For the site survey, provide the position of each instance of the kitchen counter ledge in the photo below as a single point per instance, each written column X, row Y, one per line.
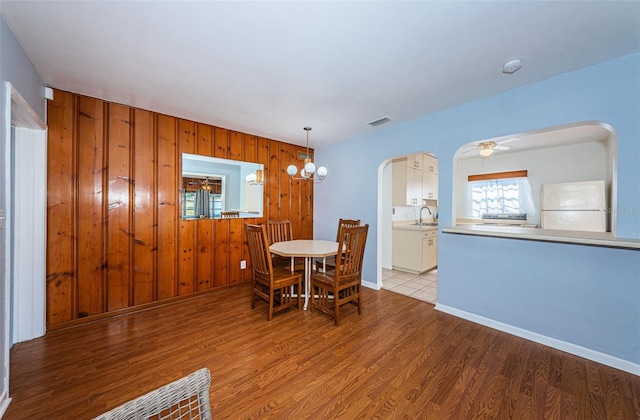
column 604, row 239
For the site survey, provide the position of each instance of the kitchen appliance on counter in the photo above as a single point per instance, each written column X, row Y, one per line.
column 574, row 206
column 504, row 219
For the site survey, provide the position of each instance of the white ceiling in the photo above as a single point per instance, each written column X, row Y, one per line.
column 270, row 68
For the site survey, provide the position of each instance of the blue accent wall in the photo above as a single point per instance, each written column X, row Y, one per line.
column 583, row 295
column 16, row 68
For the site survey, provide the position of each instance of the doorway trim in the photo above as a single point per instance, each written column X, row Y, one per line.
column 18, row 113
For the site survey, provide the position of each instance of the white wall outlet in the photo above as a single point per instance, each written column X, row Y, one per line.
column 243, row 264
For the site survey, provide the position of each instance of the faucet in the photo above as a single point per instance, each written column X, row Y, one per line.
column 422, row 208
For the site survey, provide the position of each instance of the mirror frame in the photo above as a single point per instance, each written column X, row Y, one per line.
column 240, row 194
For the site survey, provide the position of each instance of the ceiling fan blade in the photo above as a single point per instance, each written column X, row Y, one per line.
column 470, row 150
column 502, row 147
column 507, row 140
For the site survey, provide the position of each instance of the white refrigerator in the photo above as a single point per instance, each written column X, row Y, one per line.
column 574, row 206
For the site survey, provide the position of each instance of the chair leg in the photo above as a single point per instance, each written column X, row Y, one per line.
column 313, row 300
column 271, row 298
column 336, row 307
column 299, row 296
column 359, row 301
column 253, row 295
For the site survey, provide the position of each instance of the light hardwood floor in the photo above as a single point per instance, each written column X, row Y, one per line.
column 399, row 359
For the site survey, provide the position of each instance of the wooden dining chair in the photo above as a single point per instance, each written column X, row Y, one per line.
column 280, row 231
column 330, row 262
column 272, row 284
column 332, row 289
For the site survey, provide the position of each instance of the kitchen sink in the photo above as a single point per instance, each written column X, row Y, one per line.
column 426, row 224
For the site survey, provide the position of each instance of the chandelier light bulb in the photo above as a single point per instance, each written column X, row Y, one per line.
column 292, row 170
column 310, row 168
column 322, row 172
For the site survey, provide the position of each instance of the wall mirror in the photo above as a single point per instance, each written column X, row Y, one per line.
column 219, row 188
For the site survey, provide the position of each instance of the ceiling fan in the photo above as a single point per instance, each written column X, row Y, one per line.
column 204, row 184
column 486, row 148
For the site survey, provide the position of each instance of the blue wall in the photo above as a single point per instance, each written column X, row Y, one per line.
column 583, row 295
column 16, row 68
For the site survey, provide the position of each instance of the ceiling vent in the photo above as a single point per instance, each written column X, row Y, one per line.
column 379, row 121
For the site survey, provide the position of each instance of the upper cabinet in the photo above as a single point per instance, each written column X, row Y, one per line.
column 415, row 178
column 407, row 181
column 430, row 164
column 429, row 177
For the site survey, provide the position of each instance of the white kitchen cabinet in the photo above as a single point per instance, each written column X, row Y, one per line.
column 429, row 186
column 430, row 178
column 407, row 183
column 414, row 250
column 430, row 164
column 415, row 161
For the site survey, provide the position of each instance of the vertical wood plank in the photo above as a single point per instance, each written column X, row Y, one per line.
column 235, row 145
column 221, row 227
column 144, row 275
column 204, row 228
column 204, row 258
column 204, row 140
column 187, row 231
column 60, row 209
column 90, row 214
column 167, row 191
column 221, row 142
column 250, row 154
column 221, row 253
column 119, row 229
column 284, row 183
column 306, row 210
column 235, row 250
column 273, row 187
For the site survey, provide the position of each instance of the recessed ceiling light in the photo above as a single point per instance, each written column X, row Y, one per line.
column 511, row 66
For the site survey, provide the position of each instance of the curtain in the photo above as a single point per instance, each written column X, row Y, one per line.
column 202, row 204
column 511, row 195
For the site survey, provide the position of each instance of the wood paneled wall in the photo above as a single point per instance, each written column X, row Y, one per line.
column 116, row 241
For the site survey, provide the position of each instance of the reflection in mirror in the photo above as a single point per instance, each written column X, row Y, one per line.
column 213, row 187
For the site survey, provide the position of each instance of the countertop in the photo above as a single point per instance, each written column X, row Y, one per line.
column 605, row 239
column 411, row 226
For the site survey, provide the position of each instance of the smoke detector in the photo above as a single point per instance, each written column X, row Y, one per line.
column 512, row 66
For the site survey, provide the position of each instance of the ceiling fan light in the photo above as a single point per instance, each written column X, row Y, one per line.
column 486, row 152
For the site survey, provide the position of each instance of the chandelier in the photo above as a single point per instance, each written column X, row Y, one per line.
column 308, row 171
column 255, row 179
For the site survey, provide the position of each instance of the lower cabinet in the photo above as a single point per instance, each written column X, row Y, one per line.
column 414, row 250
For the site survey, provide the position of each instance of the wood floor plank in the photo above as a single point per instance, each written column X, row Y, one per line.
column 399, row 359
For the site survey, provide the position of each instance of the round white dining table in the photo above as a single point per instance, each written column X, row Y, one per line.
column 307, row 249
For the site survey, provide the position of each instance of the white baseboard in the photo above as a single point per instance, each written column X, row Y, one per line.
column 596, row 356
column 4, row 403
column 370, row 285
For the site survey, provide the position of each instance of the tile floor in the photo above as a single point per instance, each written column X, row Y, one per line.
column 423, row 286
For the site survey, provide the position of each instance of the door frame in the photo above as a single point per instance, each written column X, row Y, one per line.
column 18, row 113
